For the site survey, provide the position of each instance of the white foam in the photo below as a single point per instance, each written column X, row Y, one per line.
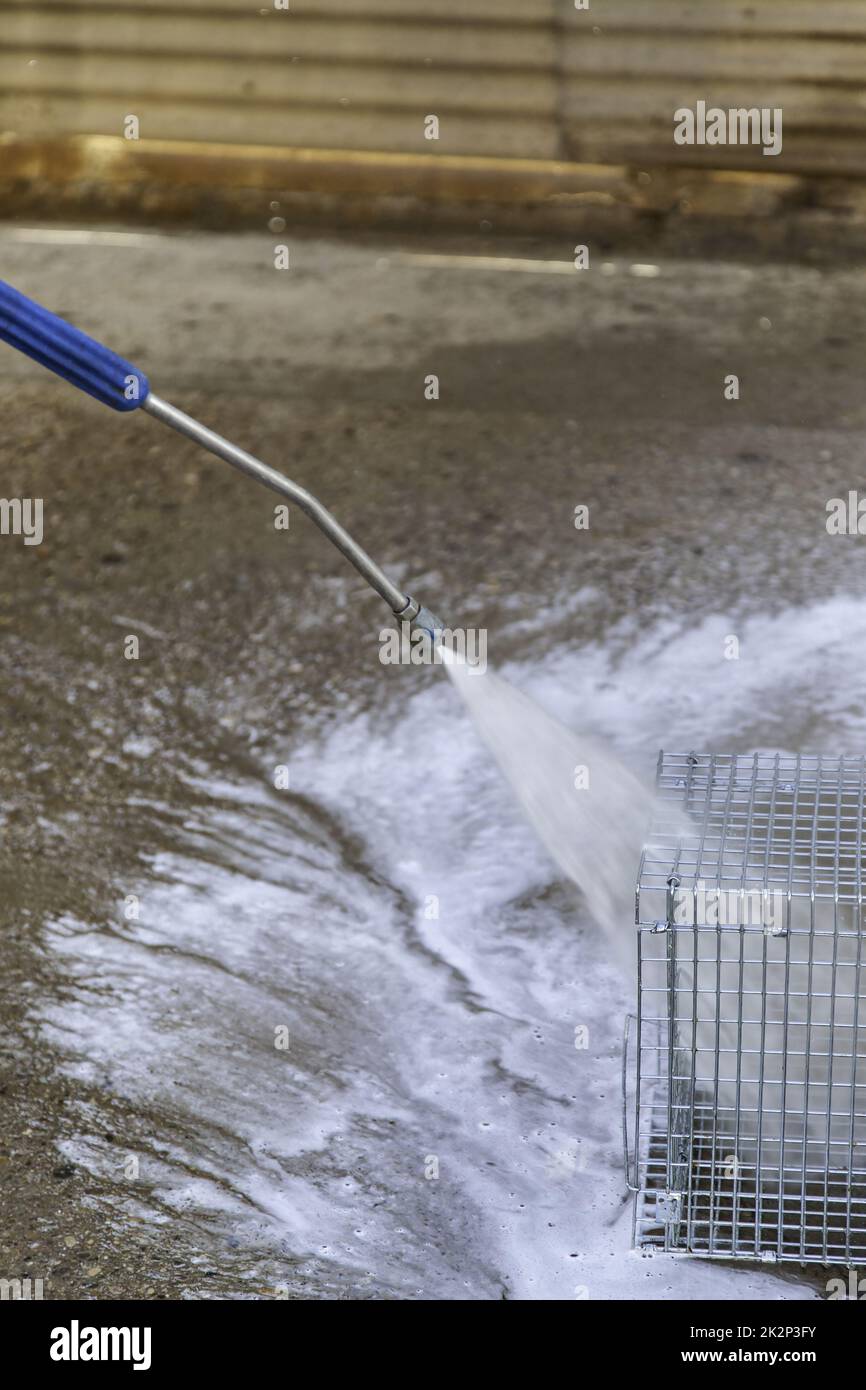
column 419, row 942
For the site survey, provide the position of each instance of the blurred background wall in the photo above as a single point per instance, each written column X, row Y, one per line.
column 541, row 106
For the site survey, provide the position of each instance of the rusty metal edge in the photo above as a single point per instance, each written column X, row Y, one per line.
column 223, row 168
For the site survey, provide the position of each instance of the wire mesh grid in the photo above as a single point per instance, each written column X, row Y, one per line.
column 749, row 1114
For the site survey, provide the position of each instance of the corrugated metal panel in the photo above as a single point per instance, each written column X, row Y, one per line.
column 531, row 78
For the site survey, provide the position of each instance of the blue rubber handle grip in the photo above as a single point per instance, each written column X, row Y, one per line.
column 69, row 352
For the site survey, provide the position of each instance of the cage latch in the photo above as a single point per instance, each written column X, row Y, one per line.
column 669, row 1206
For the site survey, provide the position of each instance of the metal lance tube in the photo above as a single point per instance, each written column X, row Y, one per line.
column 402, row 605
column 109, row 378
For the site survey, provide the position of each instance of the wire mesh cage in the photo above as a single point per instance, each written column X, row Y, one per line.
column 749, row 1115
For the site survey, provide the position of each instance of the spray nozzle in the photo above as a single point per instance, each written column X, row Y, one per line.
column 420, row 617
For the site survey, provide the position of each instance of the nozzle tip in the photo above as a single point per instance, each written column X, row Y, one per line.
column 421, row 617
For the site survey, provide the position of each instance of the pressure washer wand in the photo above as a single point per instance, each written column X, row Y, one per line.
column 100, row 373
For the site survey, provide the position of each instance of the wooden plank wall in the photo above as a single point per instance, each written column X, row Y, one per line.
column 535, row 79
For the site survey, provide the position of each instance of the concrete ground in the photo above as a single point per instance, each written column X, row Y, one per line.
column 602, row 387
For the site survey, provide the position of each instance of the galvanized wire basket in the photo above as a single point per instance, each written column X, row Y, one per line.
column 746, row 1133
